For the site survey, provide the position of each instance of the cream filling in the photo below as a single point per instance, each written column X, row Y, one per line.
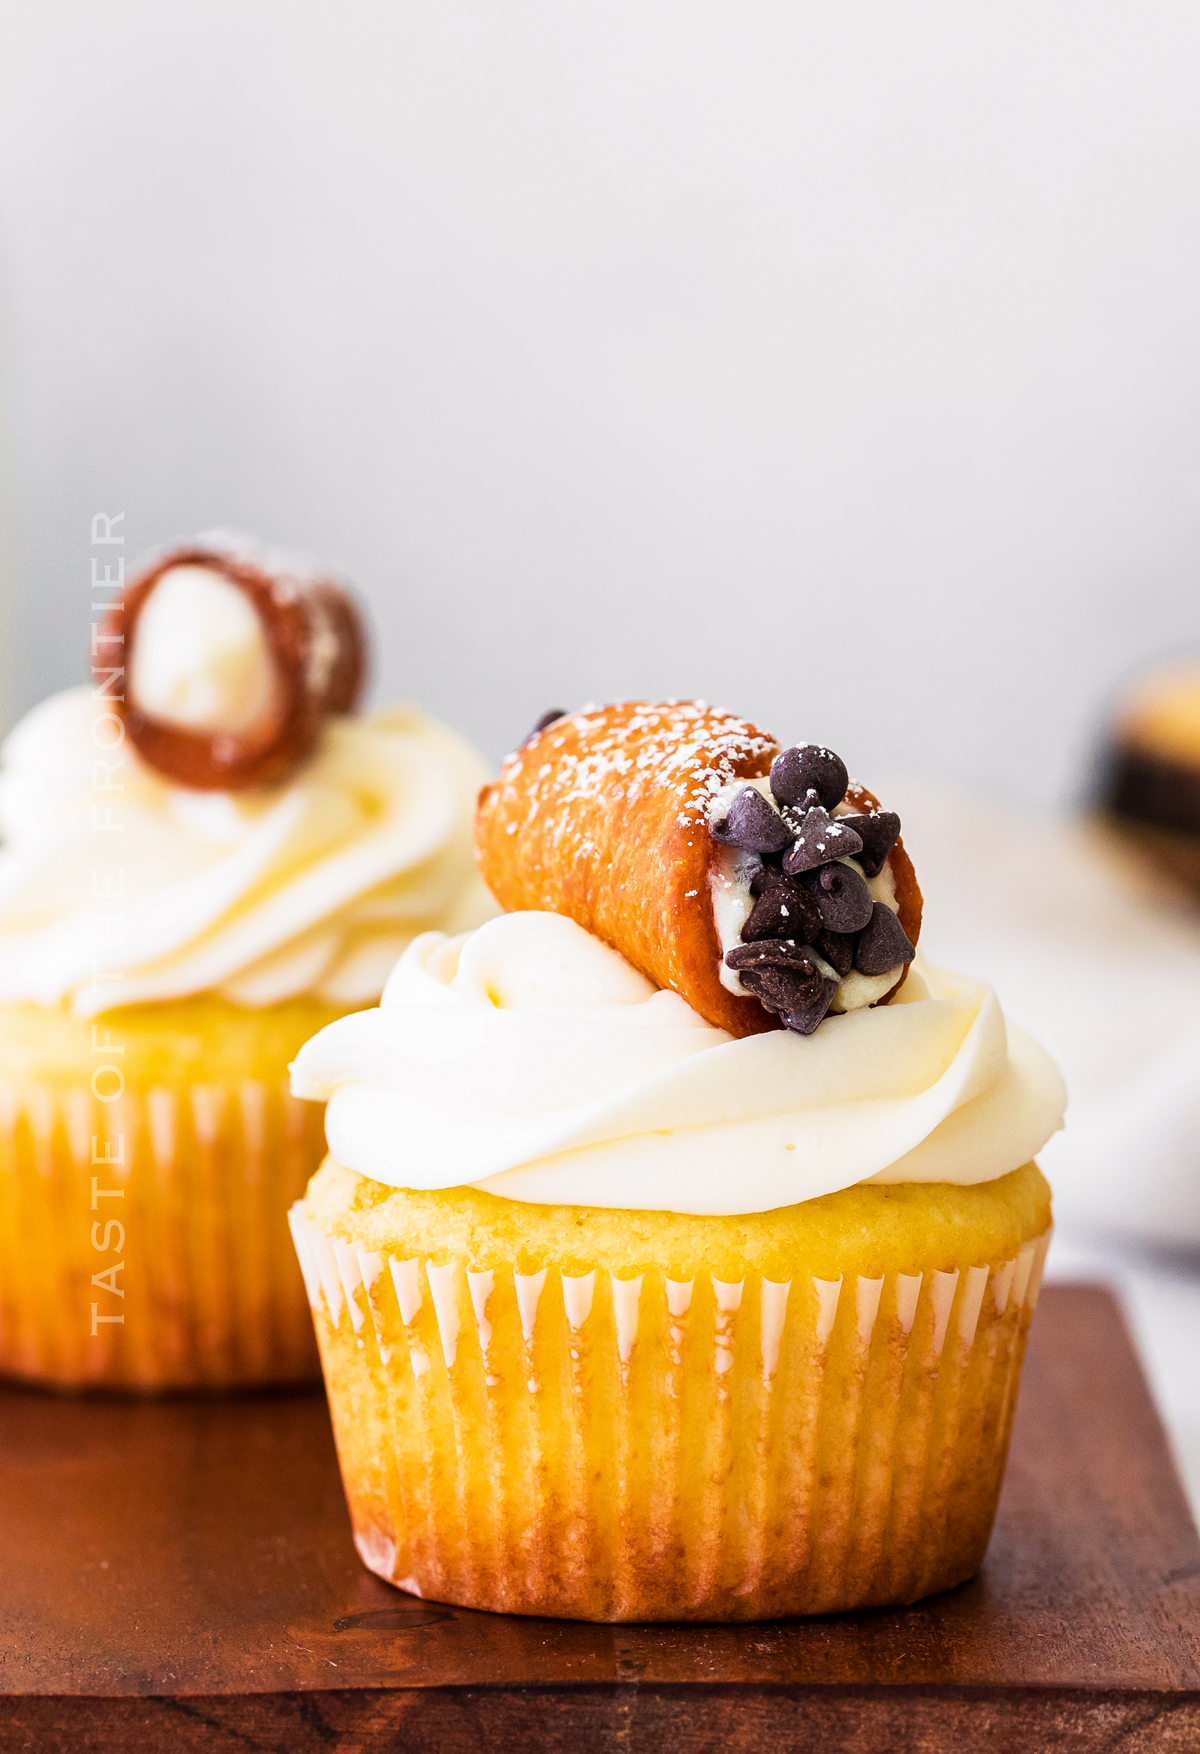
column 729, row 882
column 201, row 660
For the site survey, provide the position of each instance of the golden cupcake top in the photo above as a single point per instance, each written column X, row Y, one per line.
column 1162, row 715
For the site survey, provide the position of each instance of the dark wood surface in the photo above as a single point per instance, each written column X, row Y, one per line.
column 180, row 1575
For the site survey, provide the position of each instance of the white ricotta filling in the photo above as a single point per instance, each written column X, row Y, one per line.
column 201, row 659
column 729, row 881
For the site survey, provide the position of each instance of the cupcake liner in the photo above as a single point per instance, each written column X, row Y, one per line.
column 645, row 1448
column 211, row 1298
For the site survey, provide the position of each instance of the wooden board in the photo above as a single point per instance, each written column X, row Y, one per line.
column 180, row 1575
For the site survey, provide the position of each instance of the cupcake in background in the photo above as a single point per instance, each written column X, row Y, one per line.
column 207, row 857
column 1151, row 786
column 1052, row 907
column 680, row 1234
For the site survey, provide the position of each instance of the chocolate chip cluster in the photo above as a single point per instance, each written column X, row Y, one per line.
column 808, row 903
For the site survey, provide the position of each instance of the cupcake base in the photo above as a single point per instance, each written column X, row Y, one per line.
column 609, row 1445
column 142, row 1236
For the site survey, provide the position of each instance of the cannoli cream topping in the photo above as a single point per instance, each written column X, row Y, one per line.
column 804, row 891
column 531, row 1060
column 733, row 903
column 201, row 660
column 119, row 887
column 224, row 658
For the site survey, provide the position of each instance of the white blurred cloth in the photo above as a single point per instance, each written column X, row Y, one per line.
column 1100, row 961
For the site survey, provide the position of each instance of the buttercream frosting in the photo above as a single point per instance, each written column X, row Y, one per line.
column 118, row 887
column 531, row 1060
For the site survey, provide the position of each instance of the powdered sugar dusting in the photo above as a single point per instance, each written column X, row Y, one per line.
column 683, row 746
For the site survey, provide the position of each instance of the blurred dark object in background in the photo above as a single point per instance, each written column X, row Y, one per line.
column 1151, row 782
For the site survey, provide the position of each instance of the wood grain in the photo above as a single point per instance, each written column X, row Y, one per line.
column 180, row 1575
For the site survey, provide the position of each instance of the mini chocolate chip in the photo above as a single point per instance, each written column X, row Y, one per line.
column 842, row 896
column 550, row 718
column 752, row 823
column 836, row 947
column 782, row 989
column 807, row 767
column 798, row 992
column 804, row 1018
column 777, row 989
column 878, row 833
column 820, row 837
column 883, row 944
column 783, row 910
column 767, row 875
column 772, row 953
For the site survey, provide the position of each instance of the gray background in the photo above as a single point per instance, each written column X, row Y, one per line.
column 837, row 363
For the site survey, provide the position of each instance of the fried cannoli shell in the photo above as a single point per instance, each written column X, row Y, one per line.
column 315, row 636
column 603, row 816
column 909, row 900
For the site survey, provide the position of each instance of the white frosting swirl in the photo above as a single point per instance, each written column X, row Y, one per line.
column 312, row 887
column 531, row 1060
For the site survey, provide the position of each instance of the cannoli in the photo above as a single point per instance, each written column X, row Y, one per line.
column 762, row 885
column 304, row 661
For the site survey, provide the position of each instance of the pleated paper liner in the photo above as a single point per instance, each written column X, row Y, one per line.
column 647, row 1449
column 207, row 1288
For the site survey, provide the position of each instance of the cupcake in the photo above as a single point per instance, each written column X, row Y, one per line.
column 206, row 858
column 1152, row 778
column 680, row 1233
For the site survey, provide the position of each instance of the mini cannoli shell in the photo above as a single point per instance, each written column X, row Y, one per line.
column 315, row 636
column 603, row 817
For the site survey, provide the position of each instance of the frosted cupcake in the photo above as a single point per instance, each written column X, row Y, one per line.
column 206, row 859
column 680, row 1233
